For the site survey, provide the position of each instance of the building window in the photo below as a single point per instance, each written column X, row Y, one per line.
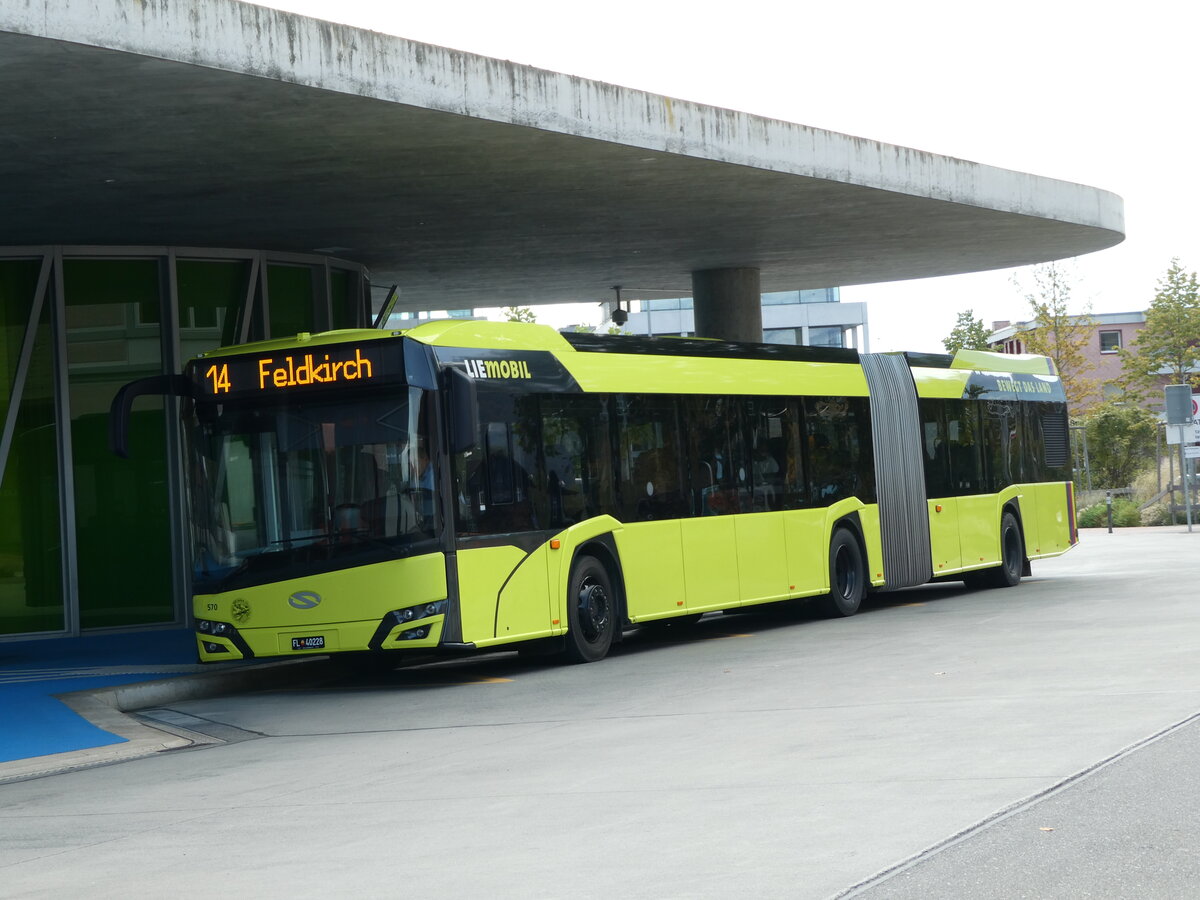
column 782, row 336
column 825, row 336
column 1110, row 341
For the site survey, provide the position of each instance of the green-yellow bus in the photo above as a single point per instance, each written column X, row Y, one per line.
column 470, row 485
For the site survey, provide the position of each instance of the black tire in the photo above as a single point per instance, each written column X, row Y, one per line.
column 591, row 612
column 1012, row 559
column 847, row 576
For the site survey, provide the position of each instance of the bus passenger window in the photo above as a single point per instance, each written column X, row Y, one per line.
column 497, row 484
column 769, row 452
column 966, row 452
column 711, row 429
column 578, row 458
column 648, row 436
column 840, row 461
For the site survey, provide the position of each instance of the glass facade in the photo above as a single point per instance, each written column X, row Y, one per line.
column 88, row 540
column 31, row 547
column 774, row 298
column 113, row 322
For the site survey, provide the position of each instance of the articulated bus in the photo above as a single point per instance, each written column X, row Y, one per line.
column 474, row 485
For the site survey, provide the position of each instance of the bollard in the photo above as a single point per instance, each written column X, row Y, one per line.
column 1108, row 503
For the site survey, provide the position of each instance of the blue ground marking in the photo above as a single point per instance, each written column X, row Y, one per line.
column 34, row 723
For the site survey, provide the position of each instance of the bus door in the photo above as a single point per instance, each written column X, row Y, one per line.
column 653, row 498
column 719, row 484
column 502, row 523
column 946, row 550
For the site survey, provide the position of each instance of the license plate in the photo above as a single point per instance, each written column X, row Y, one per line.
column 309, row 643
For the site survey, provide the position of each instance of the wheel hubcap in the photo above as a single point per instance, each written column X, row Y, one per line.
column 845, row 574
column 593, row 610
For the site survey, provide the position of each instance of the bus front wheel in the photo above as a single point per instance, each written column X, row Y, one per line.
column 847, row 576
column 591, row 612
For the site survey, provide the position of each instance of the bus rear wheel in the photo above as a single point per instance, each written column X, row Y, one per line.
column 1012, row 559
column 847, row 576
column 591, row 612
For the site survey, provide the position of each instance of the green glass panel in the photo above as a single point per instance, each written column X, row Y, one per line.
column 30, row 535
column 18, row 281
column 291, row 292
column 211, row 294
column 122, row 525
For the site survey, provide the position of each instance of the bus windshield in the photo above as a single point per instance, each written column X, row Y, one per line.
column 310, row 485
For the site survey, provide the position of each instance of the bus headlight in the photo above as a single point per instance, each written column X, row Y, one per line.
column 420, row 611
column 222, row 629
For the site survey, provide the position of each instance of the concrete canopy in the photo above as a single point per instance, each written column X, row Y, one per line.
column 469, row 181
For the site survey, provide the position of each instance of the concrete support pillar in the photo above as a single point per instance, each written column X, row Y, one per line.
column 728, row 304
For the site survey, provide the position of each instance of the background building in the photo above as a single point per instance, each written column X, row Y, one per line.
column 814, row 318
column 1109, row 333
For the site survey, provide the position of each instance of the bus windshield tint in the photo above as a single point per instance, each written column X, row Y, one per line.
column 300, row 487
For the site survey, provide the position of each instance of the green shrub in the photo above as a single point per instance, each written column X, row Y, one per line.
column 1158, row 514
column 1125, row 515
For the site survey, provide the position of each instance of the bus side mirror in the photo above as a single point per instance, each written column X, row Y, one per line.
column 464, row 411
column 122, row 406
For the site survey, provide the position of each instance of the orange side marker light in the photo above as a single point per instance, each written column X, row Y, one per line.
column 555, row 544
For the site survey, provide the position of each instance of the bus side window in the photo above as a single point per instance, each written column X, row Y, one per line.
column 1002, row 443
column 936, row 451
column 718, row 469
column 768, row 452
column 648, row 452
column 963, row 440
column 795, row 477
column 839, row 455
column 578, row 457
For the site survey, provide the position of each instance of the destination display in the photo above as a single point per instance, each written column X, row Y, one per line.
column 298, row 369
column 1014, row 386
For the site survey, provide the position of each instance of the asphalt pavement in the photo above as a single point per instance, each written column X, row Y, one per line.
column 1039, row 742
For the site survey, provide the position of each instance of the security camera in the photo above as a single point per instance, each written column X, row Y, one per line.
column 620, row 317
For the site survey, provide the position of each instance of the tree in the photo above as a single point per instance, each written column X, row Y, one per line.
column 518, row 314
column 1170, row 341
column 1121, row 441
column 1061, row 335
column 968, row 333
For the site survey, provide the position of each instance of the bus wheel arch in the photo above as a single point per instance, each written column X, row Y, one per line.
column 595, row 603
column 847, row 569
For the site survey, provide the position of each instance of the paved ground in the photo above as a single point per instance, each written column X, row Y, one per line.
column 761, row 756
column 1125, row 829
column 32, row 673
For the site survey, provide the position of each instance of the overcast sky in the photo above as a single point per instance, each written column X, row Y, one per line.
column 1104, row 95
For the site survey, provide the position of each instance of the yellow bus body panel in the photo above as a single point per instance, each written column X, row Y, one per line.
column 806, row 537
column 525, row 606
column 943, row 535
column 762, row 557
column 710, row 564
column 620, row 373
column 868, row 517
column 652, row 562
column 1054, row 524
column 979, row 530
column 502, row 594
column 353, row 602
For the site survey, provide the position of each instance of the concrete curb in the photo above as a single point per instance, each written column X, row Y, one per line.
column 106, row 707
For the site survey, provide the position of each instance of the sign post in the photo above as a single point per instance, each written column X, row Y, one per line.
column 1180, row 410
